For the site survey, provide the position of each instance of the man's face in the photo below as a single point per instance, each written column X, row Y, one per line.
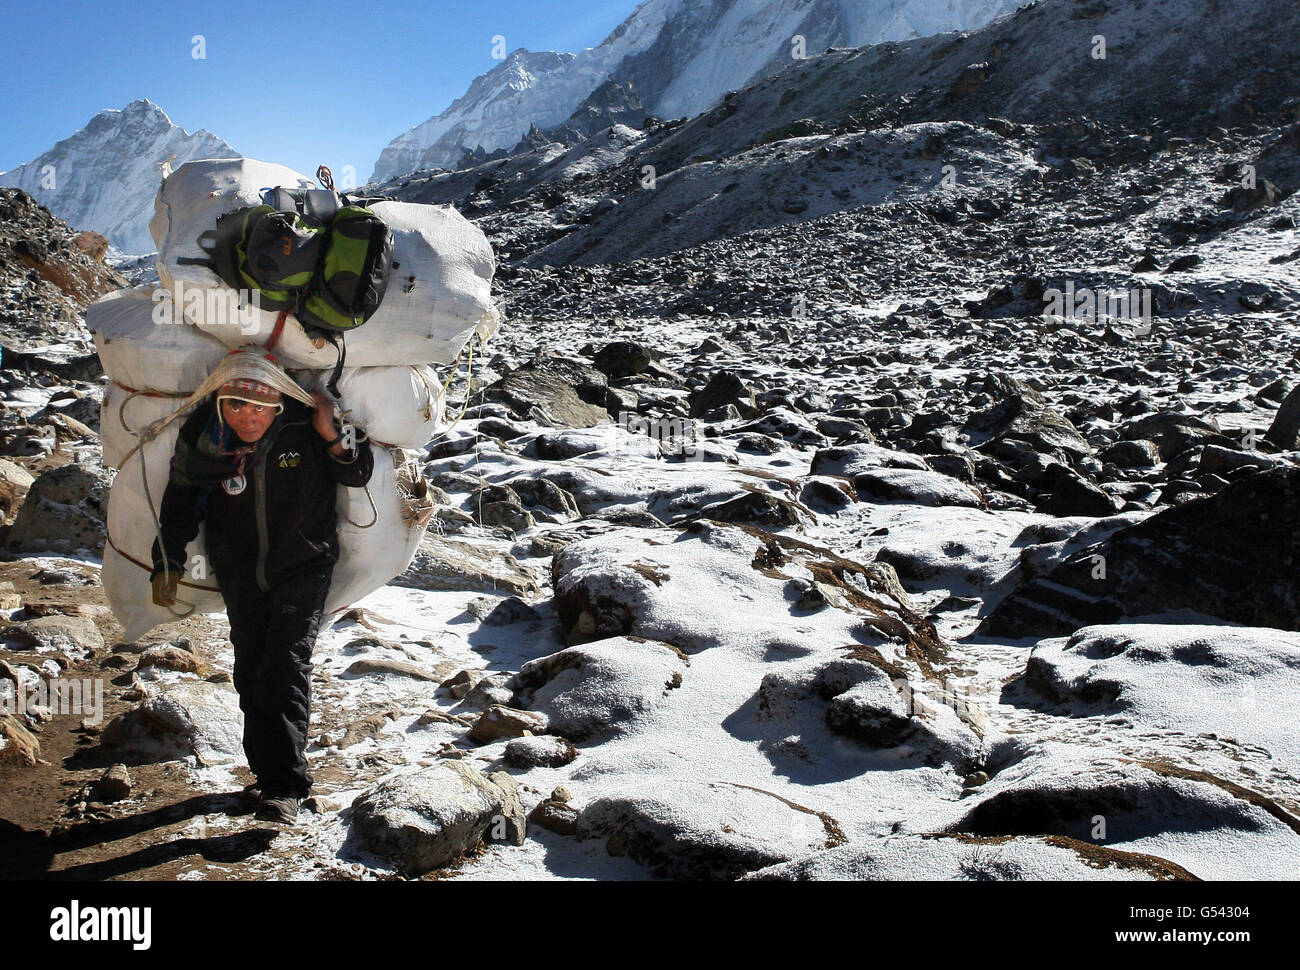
column 250, row 421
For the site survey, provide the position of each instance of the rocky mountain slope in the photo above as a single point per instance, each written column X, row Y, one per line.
column 679, row 56
column 104, row 177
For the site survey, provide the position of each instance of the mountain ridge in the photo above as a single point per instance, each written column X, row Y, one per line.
column 119, row 150
column 681, row 57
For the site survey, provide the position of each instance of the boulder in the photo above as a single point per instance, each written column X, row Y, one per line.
column 1174, row 432
column 547, row 751
column 554, row 392
column 887, row 475
column 1285, row 429
column 1058, row 790
column 876, row 702
column 1021, row 414
column 176, row 720
column 64, row 512
column 952, row 857
column 499, row 722
column 1237, row 682
column 75, row 636
column 725, row 388
column 17, row 744
column 1075, row 495
column 1231, row 555
column 602, row 689
column 444, row 563
column 113, row 786
column 706, row 830
column 425, row 820
column 623, row 358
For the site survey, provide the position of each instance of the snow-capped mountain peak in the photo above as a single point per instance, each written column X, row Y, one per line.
column 106, row 175
column 680, row 56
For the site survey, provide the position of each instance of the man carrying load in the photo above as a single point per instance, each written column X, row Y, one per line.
column 262, row 467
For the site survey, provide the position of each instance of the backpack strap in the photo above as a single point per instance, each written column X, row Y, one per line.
column 335, row 338
column 208, row 243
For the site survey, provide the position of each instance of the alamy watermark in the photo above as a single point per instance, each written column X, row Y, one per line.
column 84, row 696
column 214, row 306
column 1133, row 305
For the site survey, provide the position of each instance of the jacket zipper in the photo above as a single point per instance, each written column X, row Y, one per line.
column 263, row 539
column 263, row 535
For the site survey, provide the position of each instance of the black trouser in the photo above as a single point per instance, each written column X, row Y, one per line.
column 273, row 634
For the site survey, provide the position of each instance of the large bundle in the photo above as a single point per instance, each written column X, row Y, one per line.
column 154, row 359
column 131, row 533
column 439, row 293
column 401, row 407
column 380, row 526
column 378, row 541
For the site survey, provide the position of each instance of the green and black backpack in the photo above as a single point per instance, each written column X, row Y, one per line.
column 331, row 273
column 352, row 276
column 272, row 254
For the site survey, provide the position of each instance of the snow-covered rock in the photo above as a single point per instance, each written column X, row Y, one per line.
column 179, row 719
column 424, row 820
column 699, row 830
column 1241, row 683
column 602, row 688
column 951, row 857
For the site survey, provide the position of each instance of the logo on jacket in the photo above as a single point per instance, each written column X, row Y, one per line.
column 235, row 485
column 290, row 459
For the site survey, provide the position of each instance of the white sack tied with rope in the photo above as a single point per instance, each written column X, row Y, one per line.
column 403, row 407
column 380, row 526
column 154, row 360
column 438, row 296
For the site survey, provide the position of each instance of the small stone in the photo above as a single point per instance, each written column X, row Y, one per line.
column 321, row 805
column 505, row 722
column 172, row 658
column 113, row 786
column 461, row 683
column 562, row 794
column 374, row 665
column 19, row 743
column 975, row 779
column 555, row 816
column 539, row 752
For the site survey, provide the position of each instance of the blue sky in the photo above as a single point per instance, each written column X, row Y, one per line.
column 297, row 84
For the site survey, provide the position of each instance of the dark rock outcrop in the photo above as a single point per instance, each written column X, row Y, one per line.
column 1232, row 555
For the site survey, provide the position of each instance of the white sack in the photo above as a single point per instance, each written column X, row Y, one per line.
column 131, row 529
column 438, row 296
column 140, row 352
column 370, row 557
column 399, row 406
column 122, row 414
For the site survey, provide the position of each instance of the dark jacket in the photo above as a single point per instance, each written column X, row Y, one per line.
column 284, row 520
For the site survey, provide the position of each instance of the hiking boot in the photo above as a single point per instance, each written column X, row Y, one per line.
column 282, row 810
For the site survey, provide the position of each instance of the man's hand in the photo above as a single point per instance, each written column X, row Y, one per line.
column 164, row 588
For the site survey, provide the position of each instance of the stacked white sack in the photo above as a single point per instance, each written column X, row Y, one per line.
column 438, row 296
column 131, row 531
column 153, row 363
column 401, row 407
column 139, row 352
column 142, row 352
column 375, row 545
